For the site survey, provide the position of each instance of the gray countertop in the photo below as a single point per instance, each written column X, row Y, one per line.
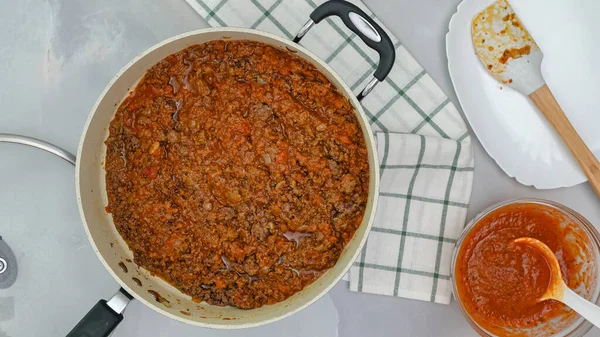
column 55, row 59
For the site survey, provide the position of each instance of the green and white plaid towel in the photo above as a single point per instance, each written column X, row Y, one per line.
column 423, row 143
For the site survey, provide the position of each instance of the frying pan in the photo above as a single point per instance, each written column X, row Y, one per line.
column 112, row 250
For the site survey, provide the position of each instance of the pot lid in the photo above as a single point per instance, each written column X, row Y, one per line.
column 52, row 276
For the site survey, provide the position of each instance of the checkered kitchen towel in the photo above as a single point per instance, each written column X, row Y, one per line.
column 423, row 143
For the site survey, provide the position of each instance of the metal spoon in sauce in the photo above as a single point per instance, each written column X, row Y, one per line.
column 558, row 289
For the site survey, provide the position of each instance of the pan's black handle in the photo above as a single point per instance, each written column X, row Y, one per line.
column 368, row 30
column 103, row 318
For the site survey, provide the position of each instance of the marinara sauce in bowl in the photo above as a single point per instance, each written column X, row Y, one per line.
column 497, row 282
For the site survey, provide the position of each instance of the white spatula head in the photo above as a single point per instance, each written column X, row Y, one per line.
column 506, row 49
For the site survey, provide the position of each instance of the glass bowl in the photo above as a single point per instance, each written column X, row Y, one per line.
column 576, row 326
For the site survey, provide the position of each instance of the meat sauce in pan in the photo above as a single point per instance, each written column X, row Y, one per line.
column 236, row 172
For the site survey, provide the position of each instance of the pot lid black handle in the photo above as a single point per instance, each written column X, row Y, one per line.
column 8, row 265
column 365, row 27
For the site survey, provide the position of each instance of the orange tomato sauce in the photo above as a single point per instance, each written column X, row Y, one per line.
column 499, row 282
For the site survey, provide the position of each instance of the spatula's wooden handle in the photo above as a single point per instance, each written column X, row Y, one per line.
column 545, row 101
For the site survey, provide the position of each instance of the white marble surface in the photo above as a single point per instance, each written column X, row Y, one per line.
column 55, row 58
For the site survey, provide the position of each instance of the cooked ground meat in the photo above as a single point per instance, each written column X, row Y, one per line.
column 236, row 172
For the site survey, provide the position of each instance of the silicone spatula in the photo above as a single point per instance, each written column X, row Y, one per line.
column 509, row 53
